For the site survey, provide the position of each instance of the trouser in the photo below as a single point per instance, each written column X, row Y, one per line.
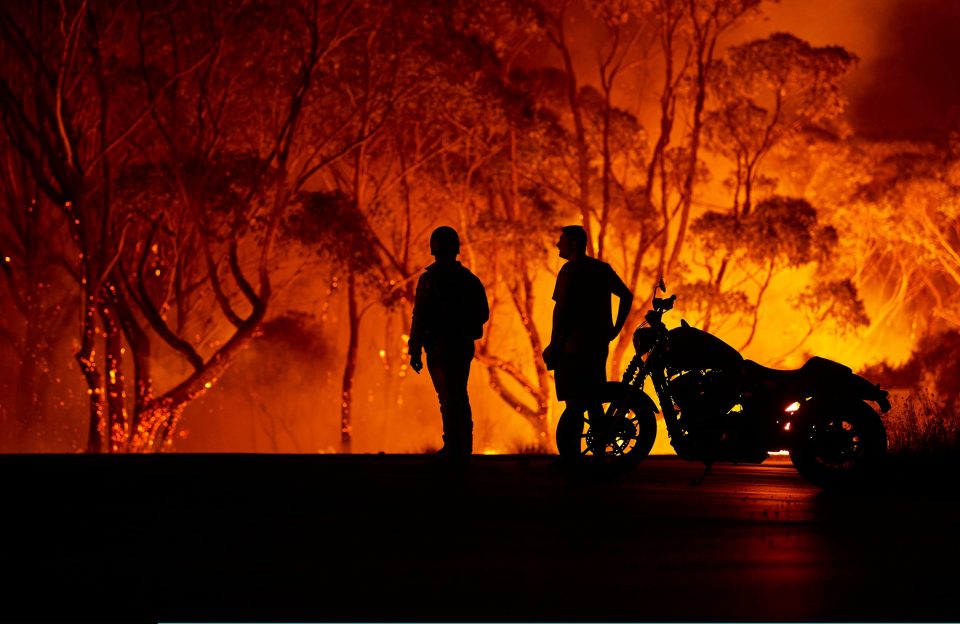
column 449, row 366
column 580, row 381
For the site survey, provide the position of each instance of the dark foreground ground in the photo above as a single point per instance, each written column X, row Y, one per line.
column 244, row 537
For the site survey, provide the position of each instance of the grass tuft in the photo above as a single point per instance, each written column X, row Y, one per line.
column 923, row 436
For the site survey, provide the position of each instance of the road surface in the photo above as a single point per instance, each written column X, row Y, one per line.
column 374, row 538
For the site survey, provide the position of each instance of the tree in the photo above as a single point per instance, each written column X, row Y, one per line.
column 415, row 105
column 903, row 197
column 832, row 305
column 780, row 233
column 766, row 91
column 553, row 18
column 218, row 164
column 706, row 21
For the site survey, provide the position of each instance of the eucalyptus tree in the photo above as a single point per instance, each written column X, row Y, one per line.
column 172, row 138
column 763, row 93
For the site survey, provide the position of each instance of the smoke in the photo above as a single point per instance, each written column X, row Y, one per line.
column 906, row 84
column 909, row 83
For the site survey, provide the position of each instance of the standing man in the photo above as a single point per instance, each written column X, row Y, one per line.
column 448, row 315
column 582, row 323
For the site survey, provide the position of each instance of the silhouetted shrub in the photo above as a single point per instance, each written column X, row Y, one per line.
column 917, row 425
column 934, row 363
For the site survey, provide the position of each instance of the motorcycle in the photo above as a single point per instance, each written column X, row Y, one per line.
column 717, row 406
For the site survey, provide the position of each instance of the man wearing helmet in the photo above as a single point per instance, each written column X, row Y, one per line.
column 448, row 315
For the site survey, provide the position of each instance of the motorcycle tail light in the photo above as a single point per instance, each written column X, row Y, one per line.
column 792, row 407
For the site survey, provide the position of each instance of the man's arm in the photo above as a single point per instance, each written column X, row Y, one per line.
column 559, row 330
column 483, row 309
column 418, row 329
column 560, row 310
column 626, row 302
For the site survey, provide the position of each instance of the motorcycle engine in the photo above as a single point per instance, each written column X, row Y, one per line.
column 703, row 397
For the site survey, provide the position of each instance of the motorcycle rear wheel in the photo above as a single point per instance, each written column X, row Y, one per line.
column 841, row 448
column 623, row 448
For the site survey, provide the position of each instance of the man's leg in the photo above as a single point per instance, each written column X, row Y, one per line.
column 450, row 369
column 600, row 424
column 458, row 417
column 440, row 377
column 593, row 412
column 585, row 376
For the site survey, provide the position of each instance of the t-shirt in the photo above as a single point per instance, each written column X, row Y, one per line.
column 584, row 311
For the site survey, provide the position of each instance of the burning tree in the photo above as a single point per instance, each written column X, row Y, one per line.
column 153, row 153
column 766, row 91
column 174, row 198
column 417, row 106
column 903, row 196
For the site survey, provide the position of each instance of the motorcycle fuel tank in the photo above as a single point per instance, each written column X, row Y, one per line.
column 694, row 349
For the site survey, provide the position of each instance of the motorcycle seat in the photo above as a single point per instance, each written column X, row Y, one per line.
column 771, row 375
column 815, row 370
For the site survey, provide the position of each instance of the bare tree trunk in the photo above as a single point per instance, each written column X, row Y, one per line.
column 97, row 426
column 118, row 432
column 350, row 367
column 705, row 42
column 538, row 389
column 605, row 208
column 717, row 291
column 559, row 40
column 756, row 307
column 543, row 379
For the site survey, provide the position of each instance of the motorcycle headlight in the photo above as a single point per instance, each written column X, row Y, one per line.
column 643, row 339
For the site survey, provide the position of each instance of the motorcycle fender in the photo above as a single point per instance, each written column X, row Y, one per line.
column 843, row 383
column 640, row 402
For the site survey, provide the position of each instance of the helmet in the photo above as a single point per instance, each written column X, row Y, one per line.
column 444, row 242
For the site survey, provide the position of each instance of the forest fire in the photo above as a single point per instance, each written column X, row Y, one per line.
column 214, row 218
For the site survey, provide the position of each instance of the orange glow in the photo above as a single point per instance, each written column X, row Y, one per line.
column 815, row 240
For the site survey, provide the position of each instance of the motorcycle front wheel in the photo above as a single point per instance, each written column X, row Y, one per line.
column 842, row 447
column 623, row 445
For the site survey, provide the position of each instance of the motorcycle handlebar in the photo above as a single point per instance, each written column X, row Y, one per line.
column 664, row 304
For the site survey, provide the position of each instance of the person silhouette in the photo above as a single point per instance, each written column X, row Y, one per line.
column 582, row 323
column 449, row 311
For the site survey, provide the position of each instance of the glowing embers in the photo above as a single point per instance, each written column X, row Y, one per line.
column 793, row 407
